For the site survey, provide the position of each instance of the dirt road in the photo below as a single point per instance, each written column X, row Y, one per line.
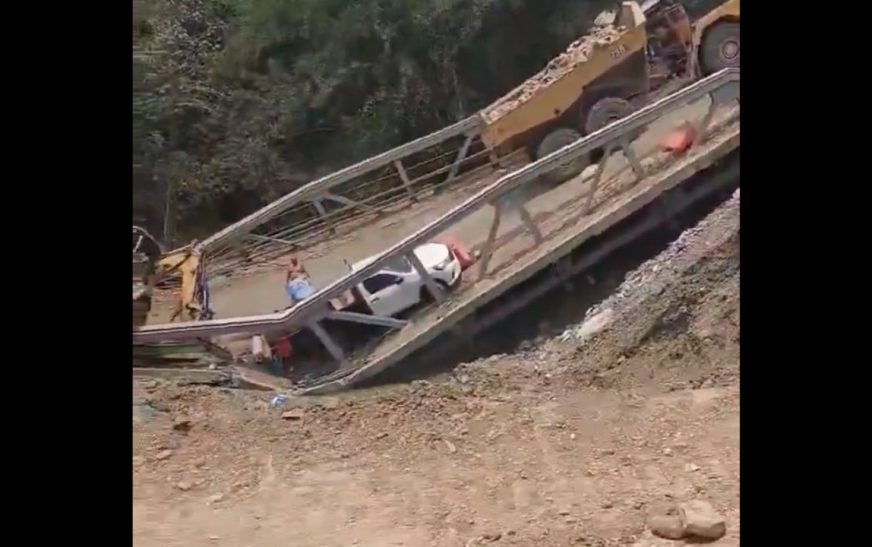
column 573, row 442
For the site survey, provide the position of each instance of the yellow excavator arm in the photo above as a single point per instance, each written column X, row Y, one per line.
column 193, row 301
column 151, row 265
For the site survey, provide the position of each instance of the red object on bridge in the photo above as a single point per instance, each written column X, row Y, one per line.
column 460, row 251
column 680, row 140
column 284, row 348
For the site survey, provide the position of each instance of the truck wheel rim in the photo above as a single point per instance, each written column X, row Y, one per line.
column 730, row 49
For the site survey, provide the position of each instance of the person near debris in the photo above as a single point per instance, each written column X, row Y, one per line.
column 283, row 352
column 298, row 284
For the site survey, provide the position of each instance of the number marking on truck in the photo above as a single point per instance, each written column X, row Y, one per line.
column 618, row 51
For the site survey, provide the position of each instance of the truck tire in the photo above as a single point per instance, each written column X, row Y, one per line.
column 719, row 48
column 426, row 297
column 605, row 111
column 553, row 142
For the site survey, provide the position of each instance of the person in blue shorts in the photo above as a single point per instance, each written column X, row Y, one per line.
column 298, row 284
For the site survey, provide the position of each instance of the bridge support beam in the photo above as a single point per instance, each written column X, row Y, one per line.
column 355, row 317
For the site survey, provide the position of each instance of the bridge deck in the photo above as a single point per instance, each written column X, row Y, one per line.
column 516, row 256
column 259, row 288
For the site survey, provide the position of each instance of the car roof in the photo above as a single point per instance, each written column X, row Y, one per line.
column 422, row 251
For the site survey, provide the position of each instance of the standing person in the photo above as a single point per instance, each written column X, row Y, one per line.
column 298, row 284
column 283, row 352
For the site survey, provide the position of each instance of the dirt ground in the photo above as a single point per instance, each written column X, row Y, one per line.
column 571, row 442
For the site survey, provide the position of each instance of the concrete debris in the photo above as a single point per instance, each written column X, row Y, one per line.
column 592, row 326
column 163, row 455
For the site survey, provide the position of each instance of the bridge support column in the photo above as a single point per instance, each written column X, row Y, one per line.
column 598, row 174
column 530, row 224
column 461, row 155
column 488, row 250
column 407, row 184
column 322, row 213
column 432, row 287
column 328, row 341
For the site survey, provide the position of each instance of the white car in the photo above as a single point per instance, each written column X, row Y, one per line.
column 398, row 286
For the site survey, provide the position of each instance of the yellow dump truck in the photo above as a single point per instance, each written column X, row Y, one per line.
column 603, row 76
column 715, row 44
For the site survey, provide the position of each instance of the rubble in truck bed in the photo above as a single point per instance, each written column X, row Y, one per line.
column 577, row 53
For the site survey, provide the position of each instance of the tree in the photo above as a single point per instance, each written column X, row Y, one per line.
column 239, row 101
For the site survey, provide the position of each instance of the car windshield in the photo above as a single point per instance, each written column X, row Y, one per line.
column 398, row 264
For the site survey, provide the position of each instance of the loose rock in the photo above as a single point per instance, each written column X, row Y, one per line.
column 216, row 498
column 182, row 424
column 666, row 526
column 184, row 486
column 701, row 520
column 293, row 414
column 163, row 455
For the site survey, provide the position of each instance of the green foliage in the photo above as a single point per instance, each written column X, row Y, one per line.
column 239, row 101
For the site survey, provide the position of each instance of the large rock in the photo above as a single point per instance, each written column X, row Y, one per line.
column 701, row 520
column 666, row 526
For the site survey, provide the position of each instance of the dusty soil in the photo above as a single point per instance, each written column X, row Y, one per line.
column 573, row 442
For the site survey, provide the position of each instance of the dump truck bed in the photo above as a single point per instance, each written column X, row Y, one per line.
column 557, row 89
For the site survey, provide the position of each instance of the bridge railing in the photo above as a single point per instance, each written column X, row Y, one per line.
column 343, row 199
column 721, row 87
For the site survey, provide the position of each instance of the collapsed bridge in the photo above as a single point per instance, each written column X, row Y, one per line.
column 517, row 230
